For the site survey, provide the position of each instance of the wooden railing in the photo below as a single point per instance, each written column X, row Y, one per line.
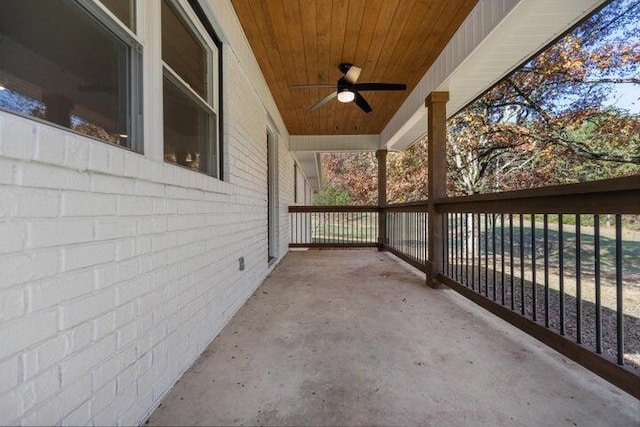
column 406, row 234
column 561, row 263
column 334, row 226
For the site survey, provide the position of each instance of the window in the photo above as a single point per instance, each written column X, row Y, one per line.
column 69, row 63
column 190, row 92
column 124, row 10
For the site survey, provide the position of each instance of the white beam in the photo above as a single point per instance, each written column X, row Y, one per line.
column 333, row 143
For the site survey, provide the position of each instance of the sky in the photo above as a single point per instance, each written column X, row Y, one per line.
column 625, row 96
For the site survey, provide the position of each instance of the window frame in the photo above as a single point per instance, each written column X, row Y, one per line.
column 207, row 22
column 135, row 77
column 111, row 23
column 213, row 90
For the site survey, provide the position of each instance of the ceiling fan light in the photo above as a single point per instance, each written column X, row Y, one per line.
column 346, row 95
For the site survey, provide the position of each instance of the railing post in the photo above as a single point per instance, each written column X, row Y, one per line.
column 381, row 155
column 437, row 179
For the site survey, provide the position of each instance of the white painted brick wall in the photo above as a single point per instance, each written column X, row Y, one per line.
column 116, row 271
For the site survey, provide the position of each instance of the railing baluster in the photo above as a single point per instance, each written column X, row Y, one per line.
column 545, row 222
column 405, row 234
column 596, row 260
column 367, row 234
column 473, row 251
column 479, row 253
column 425, row 236
column 330, row 227
column 493, row 252
column 511, row 271
column 392, row 227
column 363, row 227
column 522, row 311
column 619, row 301
column 419, row 242
column 561, row 270
column 578, row 283
column 502, row 258
column 486, row 255
column 455, row 250
column 416, row 232
column 414, row 235
column 421, row 237
column 445, row 243
column 466, row 249
column 534, row 284
column 461, row 246
column 401, row 236
column 332, row 232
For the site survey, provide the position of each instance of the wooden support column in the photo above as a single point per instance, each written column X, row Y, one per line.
column 436, row 104
column 381, row 155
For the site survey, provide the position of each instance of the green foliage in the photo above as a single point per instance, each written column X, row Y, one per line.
column 329, row 195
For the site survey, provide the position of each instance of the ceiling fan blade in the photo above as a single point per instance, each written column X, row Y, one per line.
column 352, row 75
column 324, row 101
column 380, row 86
column 362, row 103
column 312, row 86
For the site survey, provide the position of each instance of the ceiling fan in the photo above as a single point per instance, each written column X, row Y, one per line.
column 347, row 88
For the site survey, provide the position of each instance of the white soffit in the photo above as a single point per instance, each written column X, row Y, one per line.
column 334, row 143
column 496, row 37
column 308, row 162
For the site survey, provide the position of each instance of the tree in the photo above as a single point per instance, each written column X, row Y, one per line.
column 407, row 174
column 329, row 195
column 354, row 173
column 551, row 121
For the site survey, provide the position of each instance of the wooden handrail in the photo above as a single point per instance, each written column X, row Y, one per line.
column 359, row 208
column 617, row 195
column 612, row 196
column 417, row 206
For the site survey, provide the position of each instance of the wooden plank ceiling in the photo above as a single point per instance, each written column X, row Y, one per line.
column 303, row 41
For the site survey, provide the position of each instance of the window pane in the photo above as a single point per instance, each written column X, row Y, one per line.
column 188, row 132
column 183, row 51
column 124, row 10
column 60, row 64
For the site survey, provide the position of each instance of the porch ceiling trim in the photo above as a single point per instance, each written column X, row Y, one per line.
column 495, row 38
column 327, row 143
column 309, row 163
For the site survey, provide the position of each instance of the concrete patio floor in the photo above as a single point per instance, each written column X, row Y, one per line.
column 355, row 338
